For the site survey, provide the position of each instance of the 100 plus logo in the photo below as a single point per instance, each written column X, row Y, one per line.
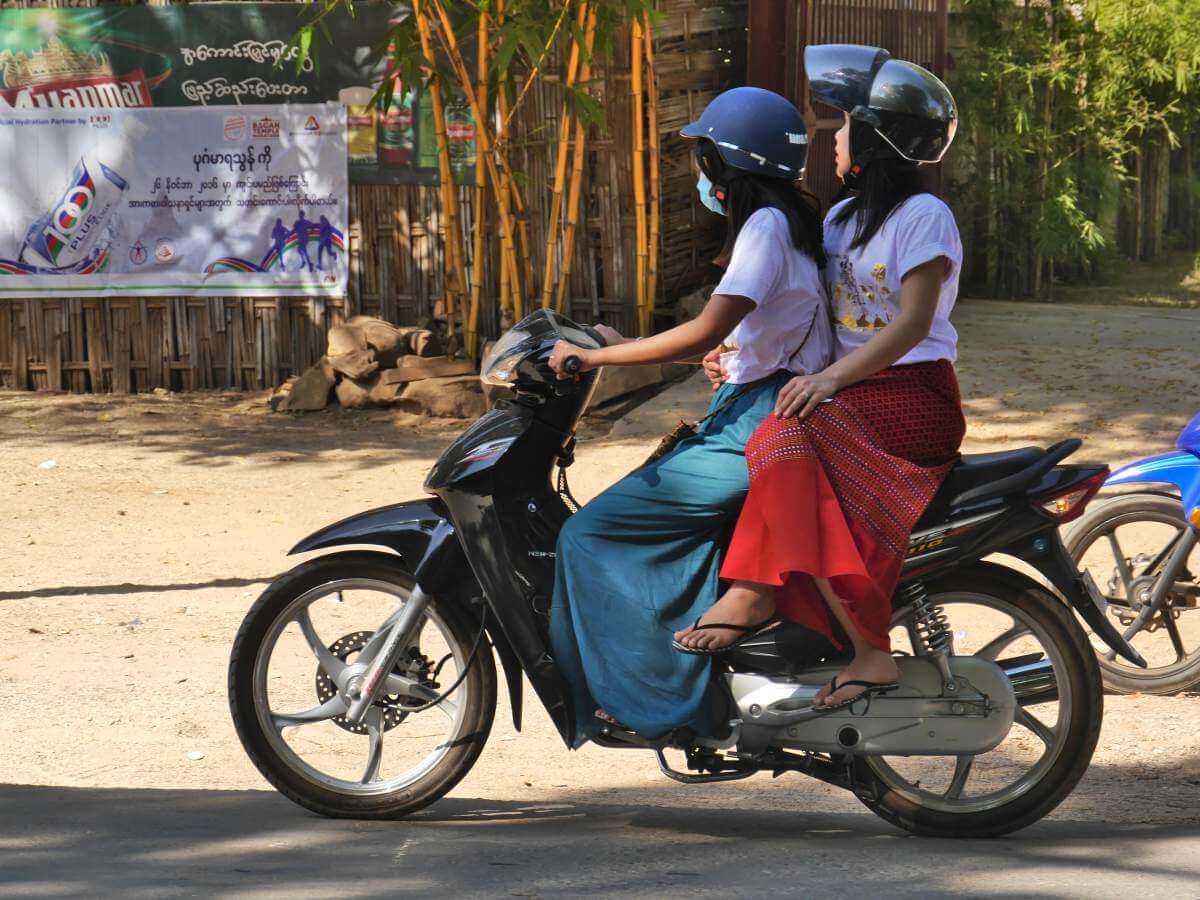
column 67, row 221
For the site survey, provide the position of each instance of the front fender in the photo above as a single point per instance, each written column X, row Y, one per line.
column 1179, row 468
column 421, row 533
column 407, row 528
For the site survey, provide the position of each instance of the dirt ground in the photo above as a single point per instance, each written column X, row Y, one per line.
column 135, row 532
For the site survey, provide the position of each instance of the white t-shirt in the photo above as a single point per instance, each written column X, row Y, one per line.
column 864, row 283
column 789, row 325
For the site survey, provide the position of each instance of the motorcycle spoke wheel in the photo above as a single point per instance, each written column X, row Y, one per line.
column 328, row 634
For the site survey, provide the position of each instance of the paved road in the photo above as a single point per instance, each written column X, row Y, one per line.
column 60, row 841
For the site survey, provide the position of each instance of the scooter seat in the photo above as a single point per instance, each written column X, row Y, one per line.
column 973, row 470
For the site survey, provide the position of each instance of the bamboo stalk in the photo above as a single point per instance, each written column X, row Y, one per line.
column 477, row 267
column 505, row 294
column 522, row 220
column 504, row 191
column 655, row 187
column 560, row 166
column 452, row 236
column 564, row 278
column 450, row 42
column 513, row 189
column 639, row 171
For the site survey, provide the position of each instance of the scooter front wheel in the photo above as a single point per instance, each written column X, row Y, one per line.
column 299, row 646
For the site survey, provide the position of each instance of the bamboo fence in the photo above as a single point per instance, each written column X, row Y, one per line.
column 396, row 248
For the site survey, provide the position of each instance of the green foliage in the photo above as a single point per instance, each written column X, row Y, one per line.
column 1057, row 98
column 523, row 43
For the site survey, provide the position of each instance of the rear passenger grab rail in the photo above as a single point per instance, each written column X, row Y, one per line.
column 1019, row 481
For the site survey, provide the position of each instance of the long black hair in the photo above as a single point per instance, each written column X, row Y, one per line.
column 884, row 183
column 746, row 194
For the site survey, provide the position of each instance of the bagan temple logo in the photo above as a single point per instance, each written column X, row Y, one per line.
column 58, row 77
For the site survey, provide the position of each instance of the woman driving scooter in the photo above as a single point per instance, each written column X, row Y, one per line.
column 837, row 486
column 641, row 560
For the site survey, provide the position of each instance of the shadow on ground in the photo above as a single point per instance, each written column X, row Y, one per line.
column 131, row 588
column 167, row 843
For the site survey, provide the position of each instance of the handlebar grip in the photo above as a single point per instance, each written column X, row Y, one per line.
column 572, row 365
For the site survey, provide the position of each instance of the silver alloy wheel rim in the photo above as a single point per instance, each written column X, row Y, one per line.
column 1053, row 748
column 274, row 734
column 1107, row 532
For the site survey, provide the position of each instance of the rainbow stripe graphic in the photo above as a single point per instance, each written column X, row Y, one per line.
column 271, row 260
column 97, row 262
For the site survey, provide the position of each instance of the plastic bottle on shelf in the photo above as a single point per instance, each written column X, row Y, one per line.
column 360, row 123
column 396, row 128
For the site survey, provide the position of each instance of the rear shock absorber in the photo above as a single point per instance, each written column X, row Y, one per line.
column 931, row 630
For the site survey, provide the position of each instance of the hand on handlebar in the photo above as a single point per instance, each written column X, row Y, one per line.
column 565, row 350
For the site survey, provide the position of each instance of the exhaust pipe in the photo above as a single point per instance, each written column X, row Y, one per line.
column 1032, row 677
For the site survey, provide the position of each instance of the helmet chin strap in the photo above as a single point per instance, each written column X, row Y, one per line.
column 864, row 156
column 860, row 156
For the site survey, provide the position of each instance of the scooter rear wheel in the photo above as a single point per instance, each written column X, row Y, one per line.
column 1139, row 527
column 1050, row 744
column 311, row 620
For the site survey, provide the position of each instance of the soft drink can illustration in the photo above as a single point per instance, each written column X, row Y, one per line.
column 83, row 214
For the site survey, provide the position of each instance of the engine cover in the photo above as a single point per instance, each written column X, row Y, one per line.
column 919, row 718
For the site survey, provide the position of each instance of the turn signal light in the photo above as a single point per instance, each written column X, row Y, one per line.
column 1195, row 517
column 1069, row 506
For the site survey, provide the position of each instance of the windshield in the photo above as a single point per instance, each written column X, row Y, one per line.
column 530, row 334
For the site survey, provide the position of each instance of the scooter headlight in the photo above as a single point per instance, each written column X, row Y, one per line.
column 500, row 364
column 536, row 333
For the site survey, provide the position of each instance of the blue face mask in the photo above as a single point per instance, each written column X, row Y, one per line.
column 704, row 187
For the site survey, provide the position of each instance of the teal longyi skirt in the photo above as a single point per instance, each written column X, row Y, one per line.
column 640, row 562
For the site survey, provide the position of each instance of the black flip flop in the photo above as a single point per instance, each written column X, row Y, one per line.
column 748, row 631
column 871, row 688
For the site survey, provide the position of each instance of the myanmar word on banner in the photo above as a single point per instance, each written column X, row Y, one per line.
column 248, row 201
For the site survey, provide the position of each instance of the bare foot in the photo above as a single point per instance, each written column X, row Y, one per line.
column 869, row 665
column 743, row 604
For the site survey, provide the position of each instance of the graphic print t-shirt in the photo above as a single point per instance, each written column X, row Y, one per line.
column 864, row 283
column 789, row 325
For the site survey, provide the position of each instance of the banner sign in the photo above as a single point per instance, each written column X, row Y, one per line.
column 170, row 202
column 223, row 54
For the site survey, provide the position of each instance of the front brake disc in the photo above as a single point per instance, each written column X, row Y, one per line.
column 342, row 648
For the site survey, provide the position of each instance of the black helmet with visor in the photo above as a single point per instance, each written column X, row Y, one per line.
column 907, row 106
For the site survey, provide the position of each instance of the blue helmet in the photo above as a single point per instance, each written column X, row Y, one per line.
column 755, row 131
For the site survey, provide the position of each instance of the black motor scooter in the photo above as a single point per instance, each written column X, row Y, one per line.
column 995, row 719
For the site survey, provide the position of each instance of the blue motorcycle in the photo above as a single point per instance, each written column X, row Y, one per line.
column 1141, row 548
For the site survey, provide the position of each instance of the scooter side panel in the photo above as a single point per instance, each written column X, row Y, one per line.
column 480, row 447
column 1189, row 438
column 1180, row 468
